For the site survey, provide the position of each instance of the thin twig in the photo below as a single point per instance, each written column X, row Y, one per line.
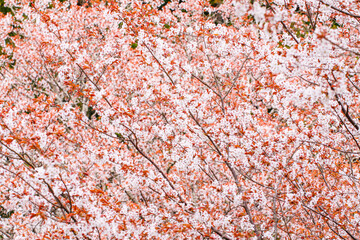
column 340, row 10
column 197, row 78
column 328, row 218
column 135, row 145
column 348, row 130
column 343, row 110
column 282, row 23
column 357, row 88
column 39, row 193
column 235, row 177
column 237, row 76
column 341, row 47
column 222, row 235
column 162, row 67
column 67, row 190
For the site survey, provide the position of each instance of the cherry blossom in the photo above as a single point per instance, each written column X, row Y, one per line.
column 187, row 119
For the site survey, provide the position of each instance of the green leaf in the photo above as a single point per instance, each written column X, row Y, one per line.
column 334, row 24
column 80, row 105
column 4, row 9
column 90, row 112
column 167, row 26
column 120, row 136
column 12, row 64
column 134, row 45
column 163, row 4
column 12, row 34
column 215, row 3
column 9, row 42
column 4, row 213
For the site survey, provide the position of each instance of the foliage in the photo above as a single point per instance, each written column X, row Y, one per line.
column 182, row 119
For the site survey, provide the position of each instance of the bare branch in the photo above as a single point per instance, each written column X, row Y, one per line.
column 222, row 235
column 235, row 177
column 136, row 146
column 197, row 78
column 162, row 67
column 341, row 47
column 343, row 110
column 340, row 10
column 330, row 219
column 283, row 24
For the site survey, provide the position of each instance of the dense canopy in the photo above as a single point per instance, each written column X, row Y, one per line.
column 182, row 119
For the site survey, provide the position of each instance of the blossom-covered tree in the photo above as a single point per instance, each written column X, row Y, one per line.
column 189, row 119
